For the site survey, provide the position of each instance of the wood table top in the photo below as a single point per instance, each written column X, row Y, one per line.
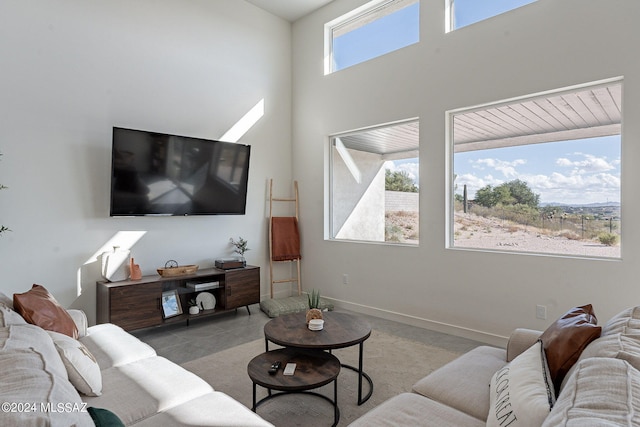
column 313, row 369
column 340, row 330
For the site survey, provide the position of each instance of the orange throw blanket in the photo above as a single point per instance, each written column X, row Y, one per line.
column 285, row 239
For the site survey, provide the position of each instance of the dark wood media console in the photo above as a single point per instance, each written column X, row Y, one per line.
column 136, row 304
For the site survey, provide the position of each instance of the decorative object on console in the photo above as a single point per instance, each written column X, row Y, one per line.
column 193, row 306
column 171, row 304
column 206, row 301
column 314, row 306
column 38, row 307
column 240, row 246
column 134, row 270
column 566, row 338
column 171, row 269
column 230, row 263
column 113, row 264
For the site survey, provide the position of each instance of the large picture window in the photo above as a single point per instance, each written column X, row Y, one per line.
column 377, row 28
column 374, row 184
column 539, row 174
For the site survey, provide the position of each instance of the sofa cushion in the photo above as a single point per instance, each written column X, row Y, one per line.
column 9, row 317
column 463, row 383
column 15, row 339
column 6, row 300
column 82, row 368
column 32, row 373
column 198, row 412
column 410, row 409
column 565, row 339
column 624, row 322
column 112, row 346
column 521, row 393
column 617, row 346
column 40, row 308
column 600, row 392
column 139, row 389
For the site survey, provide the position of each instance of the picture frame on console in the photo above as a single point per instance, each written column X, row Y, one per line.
column 171, row 304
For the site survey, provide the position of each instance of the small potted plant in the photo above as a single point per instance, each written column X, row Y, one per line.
column 240, row 247
column 314, row 305
column 193, row 306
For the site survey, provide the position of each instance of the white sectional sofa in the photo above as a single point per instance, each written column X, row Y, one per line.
column 41, row 373
column 599, row 383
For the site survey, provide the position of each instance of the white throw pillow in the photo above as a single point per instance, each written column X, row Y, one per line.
column 9, row 317
column 82, row 368
column 521, row 392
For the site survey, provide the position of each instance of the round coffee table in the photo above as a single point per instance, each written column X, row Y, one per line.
column 313, row 369
column 340, row 330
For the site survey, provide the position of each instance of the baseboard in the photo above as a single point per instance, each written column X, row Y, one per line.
column 491, row 339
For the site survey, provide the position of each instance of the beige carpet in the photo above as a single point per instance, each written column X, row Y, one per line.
column 393, row 363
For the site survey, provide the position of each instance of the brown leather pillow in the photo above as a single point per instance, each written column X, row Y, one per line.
column 565, row 339
column 38, row 307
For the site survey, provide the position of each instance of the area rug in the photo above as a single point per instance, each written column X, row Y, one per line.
column 393, row 363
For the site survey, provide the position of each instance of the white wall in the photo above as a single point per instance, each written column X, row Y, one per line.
column 72, row 69
column 546, row 45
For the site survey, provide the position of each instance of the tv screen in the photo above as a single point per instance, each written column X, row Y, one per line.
column 160, row 174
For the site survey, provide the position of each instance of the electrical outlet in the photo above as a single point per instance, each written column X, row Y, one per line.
column 345, row 279
column 541, row 312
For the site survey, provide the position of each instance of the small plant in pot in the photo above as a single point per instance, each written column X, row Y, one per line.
column 314, row 305
column 240, row 247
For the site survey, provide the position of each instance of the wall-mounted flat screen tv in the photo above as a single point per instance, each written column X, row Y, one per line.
column 160, row 174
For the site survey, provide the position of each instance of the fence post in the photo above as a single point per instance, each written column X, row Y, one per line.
column 465, row 201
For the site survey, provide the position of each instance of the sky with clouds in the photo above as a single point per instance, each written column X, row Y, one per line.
column 570, row 172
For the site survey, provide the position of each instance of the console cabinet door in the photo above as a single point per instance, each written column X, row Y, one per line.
column 136, row 306
column 242, row 287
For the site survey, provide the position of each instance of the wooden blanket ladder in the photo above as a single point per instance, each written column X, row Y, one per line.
column 284, row 238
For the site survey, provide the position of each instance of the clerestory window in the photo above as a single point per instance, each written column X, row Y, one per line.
column 461, row 13
column 372, row 30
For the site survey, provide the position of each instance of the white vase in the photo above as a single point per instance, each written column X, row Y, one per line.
column 194, row 309
column 114, row 264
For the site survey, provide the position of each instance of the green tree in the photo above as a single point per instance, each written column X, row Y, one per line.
column 510, row 193
column 486, row 196
column 399, row 181
column 521, row 193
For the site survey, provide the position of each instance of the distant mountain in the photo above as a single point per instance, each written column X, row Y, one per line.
column 583, row 205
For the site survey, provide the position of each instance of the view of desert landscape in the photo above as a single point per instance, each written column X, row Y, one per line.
column 477, row 232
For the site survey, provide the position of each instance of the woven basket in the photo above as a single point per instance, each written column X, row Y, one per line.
column 177, row 271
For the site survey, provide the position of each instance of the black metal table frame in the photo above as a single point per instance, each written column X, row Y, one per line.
column 334, row 402
column 359, row 370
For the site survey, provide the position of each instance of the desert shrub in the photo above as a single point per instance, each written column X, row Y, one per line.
column 608, row 239
column 570, row 235
column 393, row 233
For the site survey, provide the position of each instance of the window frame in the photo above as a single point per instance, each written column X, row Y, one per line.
column 450, row 163
column 331, row 231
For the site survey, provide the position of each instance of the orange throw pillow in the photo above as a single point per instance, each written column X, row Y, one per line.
column 38, row 307
column 565, row 339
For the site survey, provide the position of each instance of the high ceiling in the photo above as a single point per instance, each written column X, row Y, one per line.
column 290, row 10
